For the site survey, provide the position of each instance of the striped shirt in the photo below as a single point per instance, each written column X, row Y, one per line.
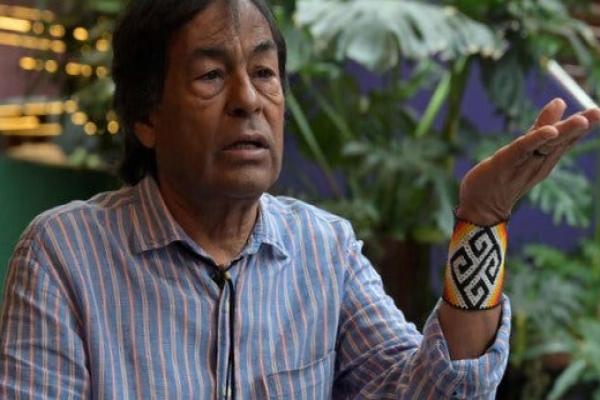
column 110, row 299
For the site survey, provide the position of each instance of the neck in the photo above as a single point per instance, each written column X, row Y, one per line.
column 220, row 226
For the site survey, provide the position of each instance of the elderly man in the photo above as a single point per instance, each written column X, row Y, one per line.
column 192, row 282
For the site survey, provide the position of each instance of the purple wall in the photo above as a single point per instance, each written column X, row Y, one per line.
column 528, row 225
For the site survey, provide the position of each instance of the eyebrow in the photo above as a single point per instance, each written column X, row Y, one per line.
column 220, row 52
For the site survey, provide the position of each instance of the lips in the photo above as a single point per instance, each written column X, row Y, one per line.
column 248, row 142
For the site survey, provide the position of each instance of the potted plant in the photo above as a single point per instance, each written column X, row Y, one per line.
column 390, row 166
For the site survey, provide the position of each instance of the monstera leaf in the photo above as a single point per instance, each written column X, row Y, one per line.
column 376, row 33
column 565, row 194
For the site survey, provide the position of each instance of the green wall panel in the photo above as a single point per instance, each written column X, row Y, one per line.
column 27, row 189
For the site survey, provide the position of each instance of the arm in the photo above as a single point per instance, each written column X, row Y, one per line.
column 42, row 354
column 468, row 333
column 487, row 196
column 381, row 355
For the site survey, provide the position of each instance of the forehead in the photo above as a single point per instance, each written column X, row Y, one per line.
column 222, row 22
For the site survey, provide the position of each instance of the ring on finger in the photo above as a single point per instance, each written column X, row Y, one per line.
column 539, row 153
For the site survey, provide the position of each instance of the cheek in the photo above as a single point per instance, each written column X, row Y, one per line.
column 275, row 114
column 188, row 131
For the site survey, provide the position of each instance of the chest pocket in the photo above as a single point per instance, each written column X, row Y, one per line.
column 310, row 382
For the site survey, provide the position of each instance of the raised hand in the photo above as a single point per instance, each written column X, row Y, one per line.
column 489, row 190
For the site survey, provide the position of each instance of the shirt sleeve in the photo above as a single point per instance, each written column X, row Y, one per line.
column 42, row 353
column 382, row 356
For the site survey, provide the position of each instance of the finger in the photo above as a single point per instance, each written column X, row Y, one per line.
column 522, row 149
column 550, row 114
column 551, row 161
column 592, row 115
column 568, row 129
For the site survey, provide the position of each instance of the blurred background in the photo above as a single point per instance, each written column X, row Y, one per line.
column 390, row 103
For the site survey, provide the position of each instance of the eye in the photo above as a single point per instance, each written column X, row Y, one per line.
column 265, row 73
column 211, row 76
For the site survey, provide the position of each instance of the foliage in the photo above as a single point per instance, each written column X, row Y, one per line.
column 556, row 311
column 397, row 160
column 378, row 33
column 89, row 84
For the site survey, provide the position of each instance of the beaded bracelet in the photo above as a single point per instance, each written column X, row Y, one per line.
column 474, row 274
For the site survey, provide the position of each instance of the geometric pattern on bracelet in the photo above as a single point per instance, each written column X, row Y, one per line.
column 475, row 270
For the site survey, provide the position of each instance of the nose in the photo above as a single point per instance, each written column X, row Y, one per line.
column 243, row 100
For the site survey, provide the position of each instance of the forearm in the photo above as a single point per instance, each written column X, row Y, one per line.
column 470, row 315
column 468, row 333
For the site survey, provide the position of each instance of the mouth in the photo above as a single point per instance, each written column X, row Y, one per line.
column 246, row 145
column 248, row 148
column 248, row 142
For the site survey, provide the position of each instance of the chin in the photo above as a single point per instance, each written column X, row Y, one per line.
column 246, row 189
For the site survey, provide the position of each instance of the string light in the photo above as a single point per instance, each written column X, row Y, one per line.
column 10, row 110
column 31, row 42
column 30, row 64
column 58, row 46
column 15, row 24
column 86, row 70
column 102, row 45
column 27, row 63
column 113, row 127
column 79, row 118
column 73, row 68
column 71, row 106
column 55, row 108
column 18, row 123
column 34, row 109
column 90, row 129
column 35, row 29
column 31, row 14
column 38, row 28
column 102, row 72
column 57, row 31
column 43, row 108
column 81, row 34
column 51, row 66
column 48, row 130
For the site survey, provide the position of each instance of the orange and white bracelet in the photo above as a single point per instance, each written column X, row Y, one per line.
column 474, row 276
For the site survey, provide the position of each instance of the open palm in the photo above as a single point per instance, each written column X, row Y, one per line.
column 489, row 190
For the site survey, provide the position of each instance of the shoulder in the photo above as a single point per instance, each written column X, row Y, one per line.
column 56, row 220
column 302, row 219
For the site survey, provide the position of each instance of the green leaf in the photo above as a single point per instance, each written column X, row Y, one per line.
column 567, row 378
column 566, row 194
column 375, row 33
column 309, row 137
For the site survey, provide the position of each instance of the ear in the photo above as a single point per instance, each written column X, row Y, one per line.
column 145, row 133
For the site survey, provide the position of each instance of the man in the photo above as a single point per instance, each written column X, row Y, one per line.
column 194, row 283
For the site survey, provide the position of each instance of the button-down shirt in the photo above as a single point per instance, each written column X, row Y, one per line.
column 110, row 299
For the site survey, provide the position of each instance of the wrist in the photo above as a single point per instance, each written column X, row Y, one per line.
column 474, row 275
column 480, row 217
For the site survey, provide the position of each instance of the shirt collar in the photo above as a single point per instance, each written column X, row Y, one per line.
column 155, row 227
column 266, row 230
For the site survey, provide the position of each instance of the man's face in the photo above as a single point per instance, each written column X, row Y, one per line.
column 218, row 130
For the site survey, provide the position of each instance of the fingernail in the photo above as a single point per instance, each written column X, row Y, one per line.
column 550, row 134
column 558, row 100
